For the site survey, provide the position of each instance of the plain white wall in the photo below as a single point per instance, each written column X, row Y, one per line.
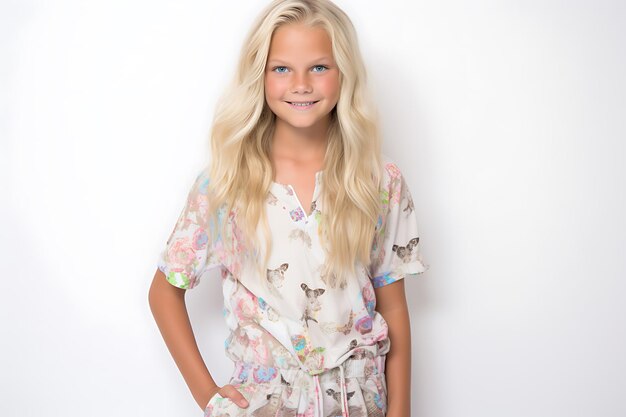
column 507, row 118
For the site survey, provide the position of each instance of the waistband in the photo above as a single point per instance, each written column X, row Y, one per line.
column 294, row 375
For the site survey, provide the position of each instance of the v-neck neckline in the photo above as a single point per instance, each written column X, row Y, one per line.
column 289, row 192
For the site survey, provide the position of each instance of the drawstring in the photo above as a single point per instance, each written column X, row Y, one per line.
column 344, row 395
column 318, row 396
column 343, row 399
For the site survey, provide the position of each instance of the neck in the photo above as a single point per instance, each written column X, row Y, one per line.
column 300, row 144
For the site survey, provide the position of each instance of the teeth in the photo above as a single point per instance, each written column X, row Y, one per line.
column 303, row 104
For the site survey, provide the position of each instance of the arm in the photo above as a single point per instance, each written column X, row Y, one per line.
column 391, row 304
column 167, row 303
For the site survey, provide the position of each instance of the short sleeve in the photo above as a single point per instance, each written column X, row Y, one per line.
column 187, row 253
column 396, row 246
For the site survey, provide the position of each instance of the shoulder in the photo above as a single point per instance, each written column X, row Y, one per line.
column 203, row 174
column 390, row 167
column 201, row 182
column 391, row 173
column 202, row 193
column 198, row 196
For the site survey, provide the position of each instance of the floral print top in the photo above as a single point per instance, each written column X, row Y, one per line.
column 298, row 320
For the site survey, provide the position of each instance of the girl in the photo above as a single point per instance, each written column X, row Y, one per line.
column 312, row 229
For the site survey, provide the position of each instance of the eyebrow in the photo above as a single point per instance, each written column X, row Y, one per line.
column 278, row 60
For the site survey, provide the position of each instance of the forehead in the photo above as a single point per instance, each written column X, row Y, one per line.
column 297, row 41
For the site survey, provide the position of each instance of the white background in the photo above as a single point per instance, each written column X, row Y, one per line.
column 506, row 117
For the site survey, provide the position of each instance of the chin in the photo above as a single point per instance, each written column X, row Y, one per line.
column 299, row 122
column 301, row 125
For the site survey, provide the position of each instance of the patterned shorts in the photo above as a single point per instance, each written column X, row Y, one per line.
column 356, row 388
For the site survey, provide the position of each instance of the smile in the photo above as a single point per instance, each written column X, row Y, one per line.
column 301, row 105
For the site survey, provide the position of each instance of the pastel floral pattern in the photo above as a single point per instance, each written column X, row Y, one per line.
column 298, row 324
column 264, row 374
column 364, row 324
column 296, row 214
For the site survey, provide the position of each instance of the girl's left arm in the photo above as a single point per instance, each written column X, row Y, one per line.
column 391, row 304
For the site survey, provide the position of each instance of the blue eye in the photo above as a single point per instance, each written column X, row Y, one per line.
column 275, row 68
column 321, row 66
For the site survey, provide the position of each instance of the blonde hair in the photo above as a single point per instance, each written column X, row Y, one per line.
column 241, row 172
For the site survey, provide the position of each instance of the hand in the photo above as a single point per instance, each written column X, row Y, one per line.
column 230, row 392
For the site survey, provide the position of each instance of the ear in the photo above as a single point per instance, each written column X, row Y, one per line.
column 284, row 266
column 303, row 286
column 394, row 247
column 320, row 291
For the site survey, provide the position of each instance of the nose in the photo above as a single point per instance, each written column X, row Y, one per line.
column 301, row 83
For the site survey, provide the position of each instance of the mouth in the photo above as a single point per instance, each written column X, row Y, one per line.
column 301, row 105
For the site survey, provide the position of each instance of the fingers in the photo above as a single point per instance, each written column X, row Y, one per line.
column 235, row 396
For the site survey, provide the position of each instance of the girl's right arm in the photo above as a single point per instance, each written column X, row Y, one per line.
column 183, row 261
column 167, row 303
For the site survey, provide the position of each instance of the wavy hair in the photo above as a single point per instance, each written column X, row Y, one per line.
column 241, row 172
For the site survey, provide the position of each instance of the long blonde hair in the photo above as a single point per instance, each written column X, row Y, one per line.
column 241, row 172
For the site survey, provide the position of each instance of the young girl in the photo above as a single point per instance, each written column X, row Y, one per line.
column 312, row 229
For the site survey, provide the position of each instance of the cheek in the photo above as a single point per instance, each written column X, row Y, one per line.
column 330, row 86
column 273, row 89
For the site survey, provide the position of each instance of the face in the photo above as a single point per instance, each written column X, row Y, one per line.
column 301, row 77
